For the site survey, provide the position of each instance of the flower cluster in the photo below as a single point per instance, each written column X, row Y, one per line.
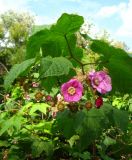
column 72, row 91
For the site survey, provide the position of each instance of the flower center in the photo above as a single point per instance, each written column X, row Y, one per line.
column 71, row 90
column 96, row 81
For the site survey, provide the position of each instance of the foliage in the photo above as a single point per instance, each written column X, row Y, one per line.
column 118, row 63
column 14, row 31
column 37, row 123
column 17, row 70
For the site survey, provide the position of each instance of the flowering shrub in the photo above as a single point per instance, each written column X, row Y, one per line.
column 56, row 107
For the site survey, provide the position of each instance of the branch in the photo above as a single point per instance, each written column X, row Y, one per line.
column 71, row 54
column 4, row 67
column 94, row 63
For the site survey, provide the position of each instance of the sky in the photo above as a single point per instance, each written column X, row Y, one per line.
column 115, row 16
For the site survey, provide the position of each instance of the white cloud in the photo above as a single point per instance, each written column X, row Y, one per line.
column 19, row 5
column 108, row 11
column 126, row 28
column 39, row 20
column 123, row 12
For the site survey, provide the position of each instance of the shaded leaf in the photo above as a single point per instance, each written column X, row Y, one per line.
column 109, row 141
column 16, row 71
column 119, row 64
column 54, row 66
column 39, row 146
column 121, row 119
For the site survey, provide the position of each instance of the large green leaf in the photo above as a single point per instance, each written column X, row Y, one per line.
column 42, row 107
column 120, row 68
column 40, row 146
column 119, row 64
column 109, row 141
column 68, row 23
column 52, row 40
column 121, row 119
column 54, row 66
column 103, row 48
column 116, row 117
column 51, row 43
column 94, row 122
column 16, row 71
column 12, row 125
column 67, row 122
column 35, row 42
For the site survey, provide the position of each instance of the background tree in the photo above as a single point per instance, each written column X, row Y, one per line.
column 14, row 31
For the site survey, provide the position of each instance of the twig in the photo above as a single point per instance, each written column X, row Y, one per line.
column 4, row 67
column 95, row 63
column 71, row 54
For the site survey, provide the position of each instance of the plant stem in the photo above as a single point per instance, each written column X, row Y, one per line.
column 71, row 54
column 79, row 62
column 4, row 67
column 95, row 63
column 94, row 150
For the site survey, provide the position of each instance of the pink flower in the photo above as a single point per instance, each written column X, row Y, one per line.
column 72, row 90
column 59, row 97
column 48, row 98
column 99, row 102
column 35, row 85
column 100, row 81
column 27, row 97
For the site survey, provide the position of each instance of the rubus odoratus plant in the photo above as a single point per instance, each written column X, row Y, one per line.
column 58, row 104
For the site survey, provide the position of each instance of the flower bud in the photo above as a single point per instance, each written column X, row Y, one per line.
column 88, row 105
column 99, row 102
column 73, row 107
column 35, row 84
column 48, row 98
column 61, row 107
column 38, row 96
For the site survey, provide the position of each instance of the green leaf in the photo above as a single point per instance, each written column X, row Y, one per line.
column 12, row 125
column 53, row 47
column 115, row 117
column 121, row 119
column 68, row 23
column 109, row 141
column 35, row 42
column 4, row 143
column 91, row 128
column 48, row 83
column 85, row 155
column 54, row 66
column 120, row 68
column 42, row 107
column 73, row 139
column 16, row 71
column 103, row 48
column 25, row 107
column 51, row 43
column 67, row 123
column 39, row 146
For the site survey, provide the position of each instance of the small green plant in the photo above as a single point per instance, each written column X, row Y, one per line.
column 55, row 107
